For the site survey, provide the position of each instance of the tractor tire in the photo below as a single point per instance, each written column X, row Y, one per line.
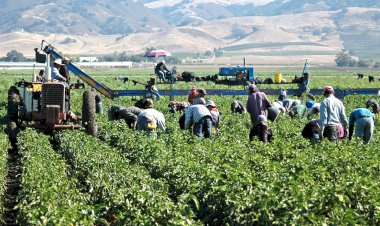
column 13, row 104
column 89, row 113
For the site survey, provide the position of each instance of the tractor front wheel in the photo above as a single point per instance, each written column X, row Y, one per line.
column 89, row 113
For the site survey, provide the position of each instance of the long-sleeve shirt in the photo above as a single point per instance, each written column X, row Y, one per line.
column 194, row 113
column 238, row 107
column 289, row 103
column 359, row 113
column 258, row 104
column 55, row 74
column 332, row 112
column 154, row 116
column 215, row 117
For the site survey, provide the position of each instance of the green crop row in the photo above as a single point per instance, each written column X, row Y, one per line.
column 123, row 193
column 4, row 146
column 49, row 195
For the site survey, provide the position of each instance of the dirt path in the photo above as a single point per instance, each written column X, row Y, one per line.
column 12, row 187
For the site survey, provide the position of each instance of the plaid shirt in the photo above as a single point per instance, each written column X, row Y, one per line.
column 194, row 113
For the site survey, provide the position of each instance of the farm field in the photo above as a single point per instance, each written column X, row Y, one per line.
column 123, row 177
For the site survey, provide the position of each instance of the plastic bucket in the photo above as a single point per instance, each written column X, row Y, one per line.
column 278, row 78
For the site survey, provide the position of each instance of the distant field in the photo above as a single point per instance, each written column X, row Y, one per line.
column 365, row 45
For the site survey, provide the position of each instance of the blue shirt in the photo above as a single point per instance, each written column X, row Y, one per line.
column 360, row 113
column 55, row 74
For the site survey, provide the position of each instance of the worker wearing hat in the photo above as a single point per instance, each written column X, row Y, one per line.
column 64, row 71
column 261, row 130
column 238, row 107
column 193, row 94
column 55, row 75
column 215, row 114
column 198, row 120
column 161, row 70
column 332, row 112
column 200, row 98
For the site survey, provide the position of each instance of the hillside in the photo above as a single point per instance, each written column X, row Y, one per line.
column 249, row 27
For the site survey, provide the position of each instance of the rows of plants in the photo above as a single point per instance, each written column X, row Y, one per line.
column 229, row 180
column 4, row 146
column 49, row 194
column 121, row 193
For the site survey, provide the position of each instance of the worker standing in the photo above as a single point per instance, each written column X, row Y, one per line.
column 173, row 75
column 198, row 118
column 64, row 71
column 192, row 95
column 200, row 98
column 98, row 102
column 149, row 120
column 257, row 104
column 364, row 124
column 332, row 113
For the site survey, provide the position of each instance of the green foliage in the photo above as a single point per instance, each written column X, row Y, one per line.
column 123, row 194
column 344, row 59
column 14, row 56
column 49, row 194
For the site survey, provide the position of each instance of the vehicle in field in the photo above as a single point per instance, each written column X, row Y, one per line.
column 46, row 105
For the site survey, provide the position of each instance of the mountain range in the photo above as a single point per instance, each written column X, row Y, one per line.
column 251, row 27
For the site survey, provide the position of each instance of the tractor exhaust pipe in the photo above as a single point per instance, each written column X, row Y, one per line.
column 244, row 61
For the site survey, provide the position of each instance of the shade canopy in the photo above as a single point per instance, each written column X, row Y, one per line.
column 158, row 53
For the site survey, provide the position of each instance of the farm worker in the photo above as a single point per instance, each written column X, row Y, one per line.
column 55, row 75
column 192, row 95
column 332, row 113
column 198, row 117
column 374, row 105
column 175, row 106
column 312, row 131
column 215, row 114
column 282, row 95
column 161, row 70
column 314, row 110
column 257, row 104
column 129, row 115
column 290, row 103
column 278, row 104
column 144, row 103
column 64, row 71
column 98, row 102
column 200, row 98
column 262, row 130
column 173, row 74
column 238, row 107
column 299, row 110
column 41, row 76
column 149, row 119
column 364, row 124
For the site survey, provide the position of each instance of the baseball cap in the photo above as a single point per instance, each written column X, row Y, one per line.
column 202, row 91
column 328, row 88
column 210, row 103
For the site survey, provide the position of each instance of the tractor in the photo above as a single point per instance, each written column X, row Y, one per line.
column 46, row 105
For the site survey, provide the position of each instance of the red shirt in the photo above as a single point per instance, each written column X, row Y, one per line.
column 191, row 97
